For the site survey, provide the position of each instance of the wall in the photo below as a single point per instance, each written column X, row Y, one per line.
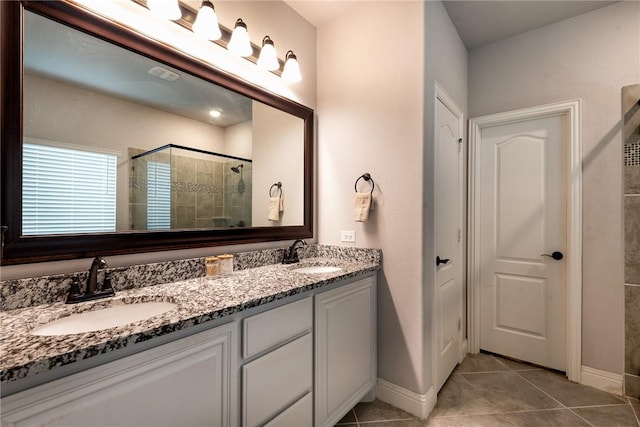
column 370, row 114
column 238, row 140
column 278, row 157
column 285, row 26
column 631, row 167
column 374, row 114
column 591, row 57
column 446, row 63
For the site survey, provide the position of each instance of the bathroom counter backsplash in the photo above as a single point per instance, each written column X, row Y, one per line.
column 21, row 293
column 258, row 279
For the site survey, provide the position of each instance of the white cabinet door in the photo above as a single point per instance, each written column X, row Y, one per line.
column 184, row 383
column 345, row 338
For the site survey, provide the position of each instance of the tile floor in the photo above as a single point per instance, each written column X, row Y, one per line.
column 488, row 390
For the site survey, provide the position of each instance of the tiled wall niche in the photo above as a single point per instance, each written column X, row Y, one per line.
column 631, row 159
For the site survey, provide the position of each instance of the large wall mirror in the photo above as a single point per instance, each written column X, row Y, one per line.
column 113, row 143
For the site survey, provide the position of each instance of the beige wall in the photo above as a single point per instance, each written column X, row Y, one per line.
column 238, row 140
column 289, row 31
column 278, row 157
column 370, row 120
column 591, row 57
column 374, row 111
column 446, row 63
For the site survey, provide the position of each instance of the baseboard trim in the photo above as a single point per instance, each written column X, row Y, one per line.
column 419, row 405
column 603, row 380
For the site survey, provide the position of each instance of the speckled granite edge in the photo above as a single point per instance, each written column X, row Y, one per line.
column 21, row 293
column 245, row 260
column 198, row 300
column 28, row 292
column 347, row 253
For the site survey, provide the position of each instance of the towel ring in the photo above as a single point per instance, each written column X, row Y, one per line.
column 277, row 184
column 366, row 177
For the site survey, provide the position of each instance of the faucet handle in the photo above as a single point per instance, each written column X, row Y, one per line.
column 106, row 287
column 74, row 290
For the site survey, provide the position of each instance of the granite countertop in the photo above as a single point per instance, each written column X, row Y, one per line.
column 198, row 300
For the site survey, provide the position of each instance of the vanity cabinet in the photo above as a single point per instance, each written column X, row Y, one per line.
column 186, row 382
column 276, row 386
column 345, row 349
column 305, row 363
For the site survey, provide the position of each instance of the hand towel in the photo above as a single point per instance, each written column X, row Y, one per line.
column 274, row 208
column 362, row 206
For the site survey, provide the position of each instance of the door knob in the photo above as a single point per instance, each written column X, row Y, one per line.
column 441, row 260
column 555, row 255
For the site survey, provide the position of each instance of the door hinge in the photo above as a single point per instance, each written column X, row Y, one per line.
column 459, row 234
column 459, row 324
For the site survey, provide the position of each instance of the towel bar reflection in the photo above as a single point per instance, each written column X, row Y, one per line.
column 279, row 187
column 367, row 178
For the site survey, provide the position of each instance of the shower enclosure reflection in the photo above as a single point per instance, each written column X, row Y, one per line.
column 177, row 187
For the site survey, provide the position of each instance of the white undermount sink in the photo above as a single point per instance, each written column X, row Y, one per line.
column 317, row 269
column 104, row 318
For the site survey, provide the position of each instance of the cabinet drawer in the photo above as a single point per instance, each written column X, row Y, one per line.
column 297, row 415
column 276, row 380
column 268, row 329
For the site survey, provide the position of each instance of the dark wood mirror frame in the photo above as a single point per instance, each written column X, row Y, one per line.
column 20, row 249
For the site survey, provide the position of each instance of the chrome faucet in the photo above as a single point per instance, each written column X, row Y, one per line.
column 291, row 254
column 92, row 290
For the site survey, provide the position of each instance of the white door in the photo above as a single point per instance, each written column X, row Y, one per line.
column 448, row 231
column 523, row 216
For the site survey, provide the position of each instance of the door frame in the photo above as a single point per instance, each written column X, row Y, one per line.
column 440, row 95
column 572, row 110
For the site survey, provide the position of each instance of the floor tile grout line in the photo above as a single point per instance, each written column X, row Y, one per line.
column 522, row 411
column 562, row 404
column 535, row 386
column 497, row 372
column 525, row 411
column 468, row 382
column 598, row 406
column 520, row 373
column 579, row 416
column 355, row 417
column 633, row 409
column 386, row 421
column 499, row 361
column 525, row 379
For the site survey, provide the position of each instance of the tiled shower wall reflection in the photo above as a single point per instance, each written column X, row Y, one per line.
column 204, row 193
column 631, row 135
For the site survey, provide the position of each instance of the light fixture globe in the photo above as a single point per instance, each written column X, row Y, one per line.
column 291, row 71
column 206, row 24
column 240, row 44
column 168, row 9
column 268, row 59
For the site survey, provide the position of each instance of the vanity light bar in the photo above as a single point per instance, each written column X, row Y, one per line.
column 188, row 18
